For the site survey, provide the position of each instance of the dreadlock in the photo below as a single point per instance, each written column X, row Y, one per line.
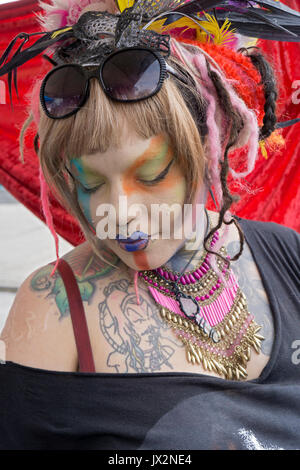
column 236, row 124
column 270, row 89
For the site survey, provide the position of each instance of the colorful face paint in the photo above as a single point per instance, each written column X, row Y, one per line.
column 134, row 246
column 137, row 241
column 87, row 179
column 147, row 173
column 85, row 175
column 84, row 200
column 141, row 260
column 148, row 166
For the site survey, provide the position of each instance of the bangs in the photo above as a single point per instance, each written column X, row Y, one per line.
column 99, row 123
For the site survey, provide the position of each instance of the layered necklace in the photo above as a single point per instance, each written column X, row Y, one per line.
column 210, row 317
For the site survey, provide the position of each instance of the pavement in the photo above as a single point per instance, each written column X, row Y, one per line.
column 25, row 244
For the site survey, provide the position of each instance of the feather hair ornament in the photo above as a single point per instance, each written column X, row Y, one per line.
column 95, row 34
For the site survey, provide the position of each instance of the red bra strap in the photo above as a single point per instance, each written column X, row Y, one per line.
column 83, row 344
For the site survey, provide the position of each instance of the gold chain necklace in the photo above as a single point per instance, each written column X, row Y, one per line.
column 208, row 315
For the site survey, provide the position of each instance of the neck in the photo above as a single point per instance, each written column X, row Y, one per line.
column 185, row 259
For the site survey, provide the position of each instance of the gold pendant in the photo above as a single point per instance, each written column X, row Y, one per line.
column 229, row 357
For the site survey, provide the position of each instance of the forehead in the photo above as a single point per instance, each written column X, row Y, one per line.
column 135, row 151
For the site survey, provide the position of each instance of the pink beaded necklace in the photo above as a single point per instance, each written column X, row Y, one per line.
column 209, row 316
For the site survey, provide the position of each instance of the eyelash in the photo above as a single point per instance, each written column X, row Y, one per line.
column 156, row 180
column 91, row 190
column 160, row 177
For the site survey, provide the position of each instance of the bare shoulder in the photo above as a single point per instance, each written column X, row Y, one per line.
column 34, row 333
column 38, row 331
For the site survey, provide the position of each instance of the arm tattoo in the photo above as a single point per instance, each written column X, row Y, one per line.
column 251, row 284
column 139, row 339
column 87, row 268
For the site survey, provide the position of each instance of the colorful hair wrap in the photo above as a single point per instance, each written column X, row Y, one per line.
column 241, row 73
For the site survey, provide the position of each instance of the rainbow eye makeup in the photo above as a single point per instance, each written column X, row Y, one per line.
column 88, row 179
column 87, row 183
column 159, row 178
column 92, row 189
column 151, row 168
column 155, row 166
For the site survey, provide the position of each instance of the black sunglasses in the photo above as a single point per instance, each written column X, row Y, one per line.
column 130, row 74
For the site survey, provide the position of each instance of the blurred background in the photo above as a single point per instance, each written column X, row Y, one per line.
column 25, row 245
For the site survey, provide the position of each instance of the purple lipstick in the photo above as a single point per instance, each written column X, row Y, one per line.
column 137, row 241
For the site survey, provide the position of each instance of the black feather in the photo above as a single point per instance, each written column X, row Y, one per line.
column 197, row 5
column 15, row 82
column 9, row 88
column 283, row 124
column 205, row 5
column 15, row 69
column 277, row 7
column 9, row 48
column 261, row 27
column 274, row 21
column 23, row 56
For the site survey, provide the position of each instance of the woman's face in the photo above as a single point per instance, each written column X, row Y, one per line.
column 131, row 182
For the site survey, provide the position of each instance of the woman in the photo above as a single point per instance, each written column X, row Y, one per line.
column 112, row 355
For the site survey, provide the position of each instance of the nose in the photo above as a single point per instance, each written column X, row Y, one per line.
column 121, row 203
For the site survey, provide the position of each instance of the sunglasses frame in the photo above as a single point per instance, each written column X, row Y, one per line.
column 165, row 69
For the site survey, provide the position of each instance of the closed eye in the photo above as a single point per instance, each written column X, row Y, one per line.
column 160, row 177
column 86, row 189
column 91, row 189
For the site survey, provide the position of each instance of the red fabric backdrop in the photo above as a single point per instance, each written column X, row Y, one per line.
column 270, row 193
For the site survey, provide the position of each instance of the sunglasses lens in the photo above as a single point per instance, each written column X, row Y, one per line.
column 64, row 91
column 131, row 74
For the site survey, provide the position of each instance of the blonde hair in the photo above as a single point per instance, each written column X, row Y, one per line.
column 97, row 126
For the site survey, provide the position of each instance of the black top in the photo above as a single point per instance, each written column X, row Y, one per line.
column 43, row 409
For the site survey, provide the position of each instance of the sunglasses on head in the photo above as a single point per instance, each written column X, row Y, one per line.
column 130, row 74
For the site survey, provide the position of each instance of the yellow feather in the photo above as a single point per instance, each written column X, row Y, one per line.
column 158, row 26
column 57, row 33
column 263, row 149
column 122, row 4
column 220, row 35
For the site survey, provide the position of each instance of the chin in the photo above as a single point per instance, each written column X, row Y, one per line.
column 143, row 259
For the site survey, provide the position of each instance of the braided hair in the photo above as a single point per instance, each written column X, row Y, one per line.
column 257, row 88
